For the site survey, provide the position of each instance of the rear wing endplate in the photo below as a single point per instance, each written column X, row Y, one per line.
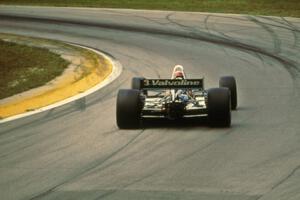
column 172, row 84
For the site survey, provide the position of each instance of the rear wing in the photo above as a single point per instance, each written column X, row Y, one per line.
column 149, row 84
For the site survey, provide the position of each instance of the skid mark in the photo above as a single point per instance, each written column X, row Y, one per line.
column 274, row 36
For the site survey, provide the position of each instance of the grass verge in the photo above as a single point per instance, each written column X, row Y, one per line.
column 255, row 7
column 86, row 69
column 23, row 67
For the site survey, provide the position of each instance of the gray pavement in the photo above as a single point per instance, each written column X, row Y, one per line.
column 77, row 152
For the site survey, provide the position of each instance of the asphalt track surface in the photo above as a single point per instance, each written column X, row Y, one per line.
column 77, row 151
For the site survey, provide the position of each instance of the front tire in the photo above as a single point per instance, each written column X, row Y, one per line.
column 129, row 107
column 136, row 83
column 219, row 112
column 230, row 83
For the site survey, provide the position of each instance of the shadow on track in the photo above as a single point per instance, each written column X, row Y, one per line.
column 179, row 123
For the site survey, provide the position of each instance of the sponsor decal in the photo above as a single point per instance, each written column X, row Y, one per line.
column 171, row 83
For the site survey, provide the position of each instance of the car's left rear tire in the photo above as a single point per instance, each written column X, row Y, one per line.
column 129, row 107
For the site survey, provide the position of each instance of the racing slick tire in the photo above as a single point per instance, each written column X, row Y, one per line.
column 219, row 112
column 129, row 107
column 136, row 83
column 230, row 83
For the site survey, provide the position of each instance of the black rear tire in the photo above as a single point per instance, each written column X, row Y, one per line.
column 129, row 106
column 219, row 113
column 230, row 83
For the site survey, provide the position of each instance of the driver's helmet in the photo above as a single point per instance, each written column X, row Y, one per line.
column 178, row 72
column 178, row 75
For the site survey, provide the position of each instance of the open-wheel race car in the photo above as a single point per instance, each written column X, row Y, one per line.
column 176, row 98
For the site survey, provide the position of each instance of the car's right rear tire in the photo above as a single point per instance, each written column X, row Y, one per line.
column 219, row 112
column 129, row 106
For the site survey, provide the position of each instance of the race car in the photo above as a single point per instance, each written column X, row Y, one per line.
column 176, row 98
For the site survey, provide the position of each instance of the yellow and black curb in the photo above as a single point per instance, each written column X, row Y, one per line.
column 89, row 71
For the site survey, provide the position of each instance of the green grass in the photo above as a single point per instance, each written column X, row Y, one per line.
column 24, row 67
column 256, row 7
